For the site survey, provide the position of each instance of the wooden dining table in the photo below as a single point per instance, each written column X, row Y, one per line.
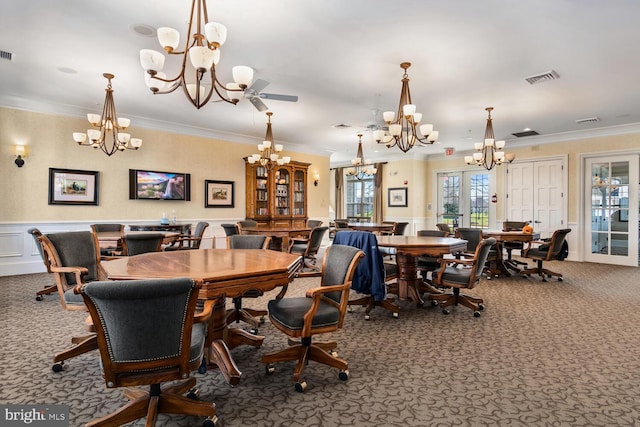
column 112, row 239
column 224, row 274
column 408, row 248
column 503, row 265
column 373, row 227
column 280, row 236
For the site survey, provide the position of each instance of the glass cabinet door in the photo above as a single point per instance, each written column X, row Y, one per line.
column 262, row 191
column 298, row 193
column 283, row 196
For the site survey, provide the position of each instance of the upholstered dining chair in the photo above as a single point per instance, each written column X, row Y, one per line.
column 444, row 227
column 467, row 277
column 313, row 223
column 106, row 227
column 248, row 315
column 246, row 223
column 142, row 243
column 554, row 249
column 308, row 247
column 49, row 289
column 189, row 241
column 509, row 247
column 473, row 236
column 371, row 275
column 74, row 259
column 426, row 264
column 320, row 311
column 148, row 334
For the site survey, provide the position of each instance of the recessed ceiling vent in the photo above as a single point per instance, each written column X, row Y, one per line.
column 525, row 133
column 588, row 120
column 6, row 55
column 542, row 77
column 341, row 126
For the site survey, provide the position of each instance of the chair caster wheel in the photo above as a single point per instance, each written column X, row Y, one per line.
column 58, row 367
column 253, row 331
column 301, row 386
column 559, row 279
column 480, row 307
column 202, row 369
column 395, row 315
column 445, row 311
column 193, row 394
column 38, row 297
column 349, row 309
column 367, row 317
column 476, row 314
column 333, row 353
column 434, row 303
column 344, row 375
column 269, row 369
column 262, row 320
column 210, row 422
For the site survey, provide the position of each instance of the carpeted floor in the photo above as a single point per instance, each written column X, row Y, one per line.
column 542, row 354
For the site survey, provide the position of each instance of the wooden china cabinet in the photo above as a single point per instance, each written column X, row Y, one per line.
column 277, row 197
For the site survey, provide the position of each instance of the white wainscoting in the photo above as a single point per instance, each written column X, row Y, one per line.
column 19, row 253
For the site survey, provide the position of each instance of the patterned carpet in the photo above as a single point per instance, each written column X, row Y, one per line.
column 542, row 354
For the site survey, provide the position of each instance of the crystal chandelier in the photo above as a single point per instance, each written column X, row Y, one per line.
column 360, row 169
column 108, row 123
column 402, row 126
column 489, row 152
column 199, row 58
column 269, row 156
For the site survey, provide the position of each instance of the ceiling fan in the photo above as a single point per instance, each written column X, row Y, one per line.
column 253, row 94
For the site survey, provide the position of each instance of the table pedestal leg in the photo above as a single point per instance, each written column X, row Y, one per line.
column 218, row 352
column 408, row 281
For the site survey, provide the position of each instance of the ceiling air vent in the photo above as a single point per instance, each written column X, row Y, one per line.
column 341, row 126
column 542, row 77
column 6, row 55
column 525, row 133
column 588, row 120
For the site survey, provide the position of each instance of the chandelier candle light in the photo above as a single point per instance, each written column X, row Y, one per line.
column 360, row 169
column 403, row 130
column 269, row 156
column 489, row 152
column 109, row 122
column 199, row 59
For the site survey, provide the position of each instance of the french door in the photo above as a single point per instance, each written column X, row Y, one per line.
column 611, row 209
column 536, row 193
column 464, row 198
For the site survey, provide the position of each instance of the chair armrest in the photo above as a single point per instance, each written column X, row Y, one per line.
column 317, row 295
column 311, row 293
column 456, row 261
column 205, row 314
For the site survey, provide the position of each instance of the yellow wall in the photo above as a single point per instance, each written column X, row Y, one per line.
column 24, row 191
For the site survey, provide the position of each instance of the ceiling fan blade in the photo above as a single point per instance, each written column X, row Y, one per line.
column 276, row 97
column 257, row 102
column 257, row 86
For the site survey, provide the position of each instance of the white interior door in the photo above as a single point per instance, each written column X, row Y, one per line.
column 611, row 208
column 535, row 193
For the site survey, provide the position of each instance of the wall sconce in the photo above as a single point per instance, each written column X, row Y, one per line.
column 316, row 179
column 21, row 152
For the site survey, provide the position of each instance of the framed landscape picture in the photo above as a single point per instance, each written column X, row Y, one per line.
column 73, row 187
column 397, row 197
column 218, row 194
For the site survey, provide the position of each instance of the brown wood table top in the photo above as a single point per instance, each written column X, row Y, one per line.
column 224, row 273
column 281, row 233
column 408, row 248
column 370, row 226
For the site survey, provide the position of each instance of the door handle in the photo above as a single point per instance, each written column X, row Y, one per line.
column 537, row 222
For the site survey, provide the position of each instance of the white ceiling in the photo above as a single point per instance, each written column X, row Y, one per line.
column 341, row 57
